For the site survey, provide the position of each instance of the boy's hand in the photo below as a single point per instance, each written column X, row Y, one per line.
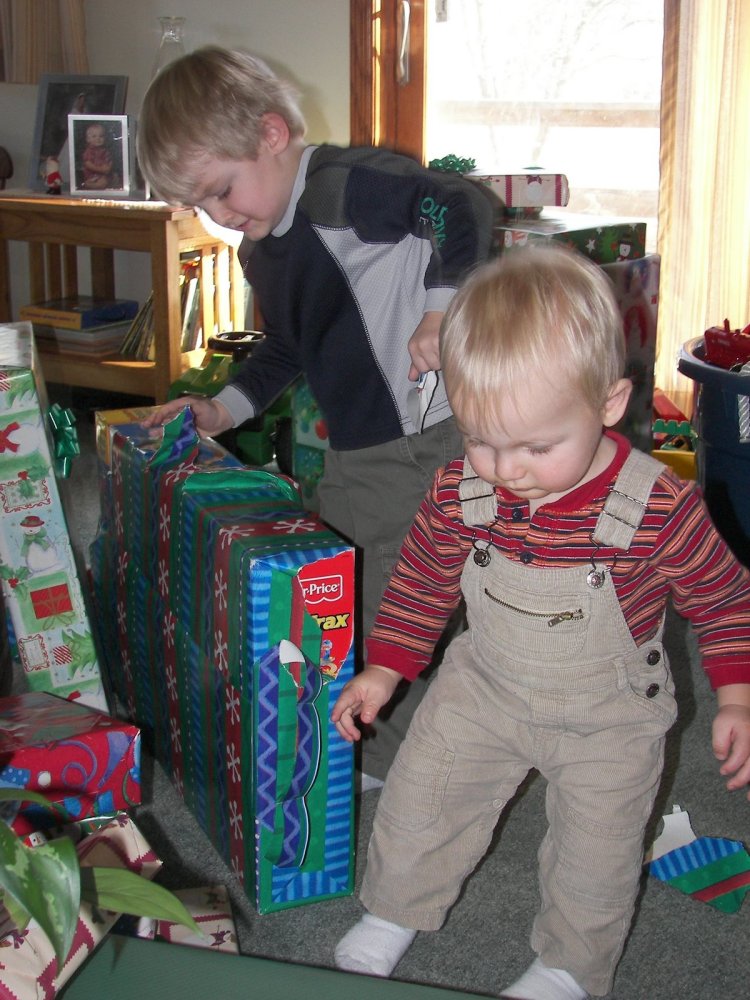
column 731, row 735
column 364, row 696
column 424, row 346
column 211, row 416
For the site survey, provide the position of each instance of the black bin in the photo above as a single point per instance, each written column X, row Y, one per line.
column 723, row 457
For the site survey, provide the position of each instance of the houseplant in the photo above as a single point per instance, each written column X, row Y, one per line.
column 47, row 883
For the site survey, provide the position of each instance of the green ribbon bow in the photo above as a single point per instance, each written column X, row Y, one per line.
column 64, row 438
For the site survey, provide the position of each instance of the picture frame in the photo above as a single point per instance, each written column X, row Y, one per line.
column 61, row 95
column 99, row 155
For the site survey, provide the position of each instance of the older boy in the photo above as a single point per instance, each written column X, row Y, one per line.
column 354, row 255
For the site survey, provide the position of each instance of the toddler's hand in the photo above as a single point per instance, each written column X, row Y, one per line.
column 731, row 744
column 364, row 696
column 211, row 417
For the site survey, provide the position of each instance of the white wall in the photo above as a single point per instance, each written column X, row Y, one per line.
column 306, row 41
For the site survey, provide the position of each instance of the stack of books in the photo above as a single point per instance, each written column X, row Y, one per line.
column 139, row 340
column 83, row 325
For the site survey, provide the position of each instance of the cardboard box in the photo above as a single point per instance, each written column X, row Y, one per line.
column 227, row 612
column 40, row 579
column 603, row 240
column 84, row 760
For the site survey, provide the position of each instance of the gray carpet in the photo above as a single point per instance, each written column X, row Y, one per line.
column 678, row 948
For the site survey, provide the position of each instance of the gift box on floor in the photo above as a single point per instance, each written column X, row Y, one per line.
column 210, row 908
column 636, row 287
column 78, row 757
column 603, row 240
column 40, row 580
column 228, row 617
column 28, row 967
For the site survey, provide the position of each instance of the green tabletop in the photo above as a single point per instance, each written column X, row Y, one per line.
column 125, row 968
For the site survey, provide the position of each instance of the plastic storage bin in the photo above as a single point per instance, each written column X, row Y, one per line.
column 723, row 454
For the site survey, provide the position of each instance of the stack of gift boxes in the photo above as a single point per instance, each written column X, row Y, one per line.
column 528, row 200
column 227, row 625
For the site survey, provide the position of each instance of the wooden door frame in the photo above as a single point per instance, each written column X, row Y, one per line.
column 383, row 111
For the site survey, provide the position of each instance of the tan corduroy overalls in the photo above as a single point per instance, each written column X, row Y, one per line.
column 547, row 676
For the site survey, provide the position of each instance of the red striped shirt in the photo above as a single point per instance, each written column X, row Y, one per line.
column 677, row 554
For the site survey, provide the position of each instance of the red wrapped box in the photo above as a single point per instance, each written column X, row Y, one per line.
column 86, row 761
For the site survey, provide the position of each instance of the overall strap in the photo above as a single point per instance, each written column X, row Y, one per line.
column 478, row 501
column 625, row 506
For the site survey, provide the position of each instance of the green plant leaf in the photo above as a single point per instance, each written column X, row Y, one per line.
column 125, row 892
column 44, row 881
column 26, row 795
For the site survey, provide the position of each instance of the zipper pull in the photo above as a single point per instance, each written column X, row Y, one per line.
column 566, row 616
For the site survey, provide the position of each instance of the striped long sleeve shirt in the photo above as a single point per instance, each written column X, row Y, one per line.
column 676, row 554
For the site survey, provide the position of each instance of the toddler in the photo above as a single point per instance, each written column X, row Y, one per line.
column 566, row 545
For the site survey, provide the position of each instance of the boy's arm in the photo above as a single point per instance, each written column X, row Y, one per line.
column 731, row 735
column 424, row 345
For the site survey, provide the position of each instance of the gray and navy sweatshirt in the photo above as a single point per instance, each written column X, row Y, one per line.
column 370, row 242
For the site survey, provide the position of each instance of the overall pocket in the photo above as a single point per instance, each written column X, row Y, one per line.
column 412, row 798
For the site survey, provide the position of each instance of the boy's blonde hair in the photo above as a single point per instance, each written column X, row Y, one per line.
column 539, row 308
column 210, row 102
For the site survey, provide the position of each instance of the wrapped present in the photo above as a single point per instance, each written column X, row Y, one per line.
column 603, row 240
column 210, row 908
column 310, row 435
column 636, row 286
column 40, row 579
column 228, row 616
column 78, row 757
column 28, row 967
column 531, row 187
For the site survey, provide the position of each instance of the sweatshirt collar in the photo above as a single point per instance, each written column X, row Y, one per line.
column 299, row 186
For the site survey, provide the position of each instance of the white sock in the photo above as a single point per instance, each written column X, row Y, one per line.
column 541, row 983
column 373, row 946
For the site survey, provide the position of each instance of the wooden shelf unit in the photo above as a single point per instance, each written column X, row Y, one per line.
column 55, row 226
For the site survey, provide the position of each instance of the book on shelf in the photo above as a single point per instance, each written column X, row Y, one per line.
column 140, row 332
column 79, row 313
column 93, row 342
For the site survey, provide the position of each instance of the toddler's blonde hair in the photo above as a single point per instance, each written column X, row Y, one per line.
column 538, row 308
column 210, row 102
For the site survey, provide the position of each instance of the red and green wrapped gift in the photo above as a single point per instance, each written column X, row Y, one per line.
column 81, row 759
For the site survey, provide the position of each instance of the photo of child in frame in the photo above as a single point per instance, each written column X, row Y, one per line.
column 99, row 154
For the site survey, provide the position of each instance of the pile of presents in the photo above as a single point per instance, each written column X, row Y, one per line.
column 217, row 620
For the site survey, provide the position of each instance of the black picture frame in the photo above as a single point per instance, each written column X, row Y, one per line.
column 61, row 95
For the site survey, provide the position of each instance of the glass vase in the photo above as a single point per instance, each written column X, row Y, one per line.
column 171, row 46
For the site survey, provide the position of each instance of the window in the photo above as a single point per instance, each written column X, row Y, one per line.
column 572, row 87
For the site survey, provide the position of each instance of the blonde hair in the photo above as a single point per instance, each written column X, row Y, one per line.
column 210, row 102
column 539, row 308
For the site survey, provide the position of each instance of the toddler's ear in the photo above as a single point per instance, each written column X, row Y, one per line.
column 617, row 402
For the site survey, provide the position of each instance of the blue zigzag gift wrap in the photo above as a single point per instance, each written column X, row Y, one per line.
column 227, row 617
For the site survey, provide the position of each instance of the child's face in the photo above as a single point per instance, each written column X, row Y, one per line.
column 95, row 135
column 248, row 195
column 540, row 446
